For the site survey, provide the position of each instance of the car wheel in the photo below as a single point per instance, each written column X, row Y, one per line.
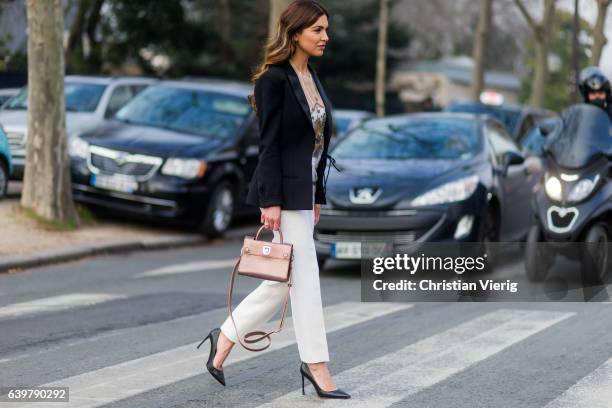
column 488, row 236
column 321, row 262
column 220, row 210
column 596, row 254
column 537, row 259
column 3, row 179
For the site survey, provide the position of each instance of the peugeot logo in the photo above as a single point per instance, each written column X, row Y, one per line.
column 121, row 158
column 364, row 195
column 266, row 250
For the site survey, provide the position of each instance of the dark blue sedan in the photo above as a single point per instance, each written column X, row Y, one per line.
column 436, row 177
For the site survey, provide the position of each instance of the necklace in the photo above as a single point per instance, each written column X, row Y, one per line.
column 312, row 95
column 302, row 73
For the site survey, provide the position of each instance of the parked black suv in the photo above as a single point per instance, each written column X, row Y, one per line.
column 182, row 151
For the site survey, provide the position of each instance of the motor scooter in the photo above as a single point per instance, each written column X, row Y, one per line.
column 573, row 207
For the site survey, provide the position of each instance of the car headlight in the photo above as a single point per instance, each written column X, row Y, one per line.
column 77, row 147
column 185, row 168
column 553, row 188
column 453, row 191
column 582, row 189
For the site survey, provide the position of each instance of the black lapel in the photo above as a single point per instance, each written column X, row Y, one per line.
column 297, row 90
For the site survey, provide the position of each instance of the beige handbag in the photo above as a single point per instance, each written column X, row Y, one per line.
column 262, row 260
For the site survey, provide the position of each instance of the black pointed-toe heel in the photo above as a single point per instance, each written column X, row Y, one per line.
column 337, row 393
column 214, row 338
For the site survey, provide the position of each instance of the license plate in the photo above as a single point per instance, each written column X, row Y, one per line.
column 346, row 250
column 116, row 182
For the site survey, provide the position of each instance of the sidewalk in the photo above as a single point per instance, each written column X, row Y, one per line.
column 25, row 242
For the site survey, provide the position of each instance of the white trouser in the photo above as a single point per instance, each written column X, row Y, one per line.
column 306, row 307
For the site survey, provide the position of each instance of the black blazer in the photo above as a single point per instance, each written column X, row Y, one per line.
column 284, row 173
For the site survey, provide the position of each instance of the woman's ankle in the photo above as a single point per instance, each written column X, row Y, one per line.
column 317, row 366
column 226, row 339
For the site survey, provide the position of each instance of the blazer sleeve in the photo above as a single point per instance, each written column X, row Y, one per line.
column 269, row 101
column 320, row 190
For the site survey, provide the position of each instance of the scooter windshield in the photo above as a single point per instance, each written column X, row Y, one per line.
column 585, row 134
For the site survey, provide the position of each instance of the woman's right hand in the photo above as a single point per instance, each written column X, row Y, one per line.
column 271, row 217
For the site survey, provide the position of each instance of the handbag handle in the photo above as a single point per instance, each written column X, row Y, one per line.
column 264, row 227
column 260, row 334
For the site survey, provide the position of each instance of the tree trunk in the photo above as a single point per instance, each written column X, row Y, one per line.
column 381, row 57
column 599, row 36
column 541, row 37
column 46, row 188
column 76, row 30
column 225, row 31
column 276, row 9
column 480, row 48
column 93, row 20
column 575, row 45
column 540, row 74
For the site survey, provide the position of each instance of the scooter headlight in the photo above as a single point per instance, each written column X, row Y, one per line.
column 582, row 189
column 553, row 188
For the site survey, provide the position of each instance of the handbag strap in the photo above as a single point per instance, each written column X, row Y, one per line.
column 264, row 227
column 255, row 336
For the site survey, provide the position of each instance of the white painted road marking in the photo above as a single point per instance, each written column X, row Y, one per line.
column 389, row 379
column 187, row 268
column 109, row 384
column 593, row 391
column 55, row 303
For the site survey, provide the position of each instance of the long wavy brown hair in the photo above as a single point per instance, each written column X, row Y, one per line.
column 300, row 14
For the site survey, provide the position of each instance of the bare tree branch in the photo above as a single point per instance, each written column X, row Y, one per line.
column 526, row 14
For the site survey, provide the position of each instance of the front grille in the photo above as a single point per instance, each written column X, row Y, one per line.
column 397, row 237
column 562, row 222
column 111, row 161
column 16, row 139
column 108, row 165
column 367, row 213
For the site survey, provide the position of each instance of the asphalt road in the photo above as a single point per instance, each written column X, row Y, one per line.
column 121, row 331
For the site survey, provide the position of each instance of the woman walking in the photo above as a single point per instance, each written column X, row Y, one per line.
column 295, row 127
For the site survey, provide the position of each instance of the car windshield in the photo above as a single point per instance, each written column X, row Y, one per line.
column 508, row 116
column 342, row 124
column 4, row 98
column 80, row 97
column 402, row 139
column 203, row 113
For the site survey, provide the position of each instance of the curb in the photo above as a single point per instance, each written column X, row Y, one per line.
column 71, row 253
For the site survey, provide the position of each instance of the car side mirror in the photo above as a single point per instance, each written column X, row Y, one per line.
column 544, row 130
column 511, row 159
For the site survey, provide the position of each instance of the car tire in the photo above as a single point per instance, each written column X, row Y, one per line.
column 4, row 177
column 220, row 210
column 321, row 262
column 596, row 254
column 537, row 259
column 488, row 236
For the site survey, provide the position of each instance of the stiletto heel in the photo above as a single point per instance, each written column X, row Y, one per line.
column 202, row 342
column 337, row 393
column 214, row 339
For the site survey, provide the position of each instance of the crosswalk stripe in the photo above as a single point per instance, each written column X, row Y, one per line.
column 388, row 379
column 55, row 303
column 593, row 391
column 187, row 268
column 133, row 377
